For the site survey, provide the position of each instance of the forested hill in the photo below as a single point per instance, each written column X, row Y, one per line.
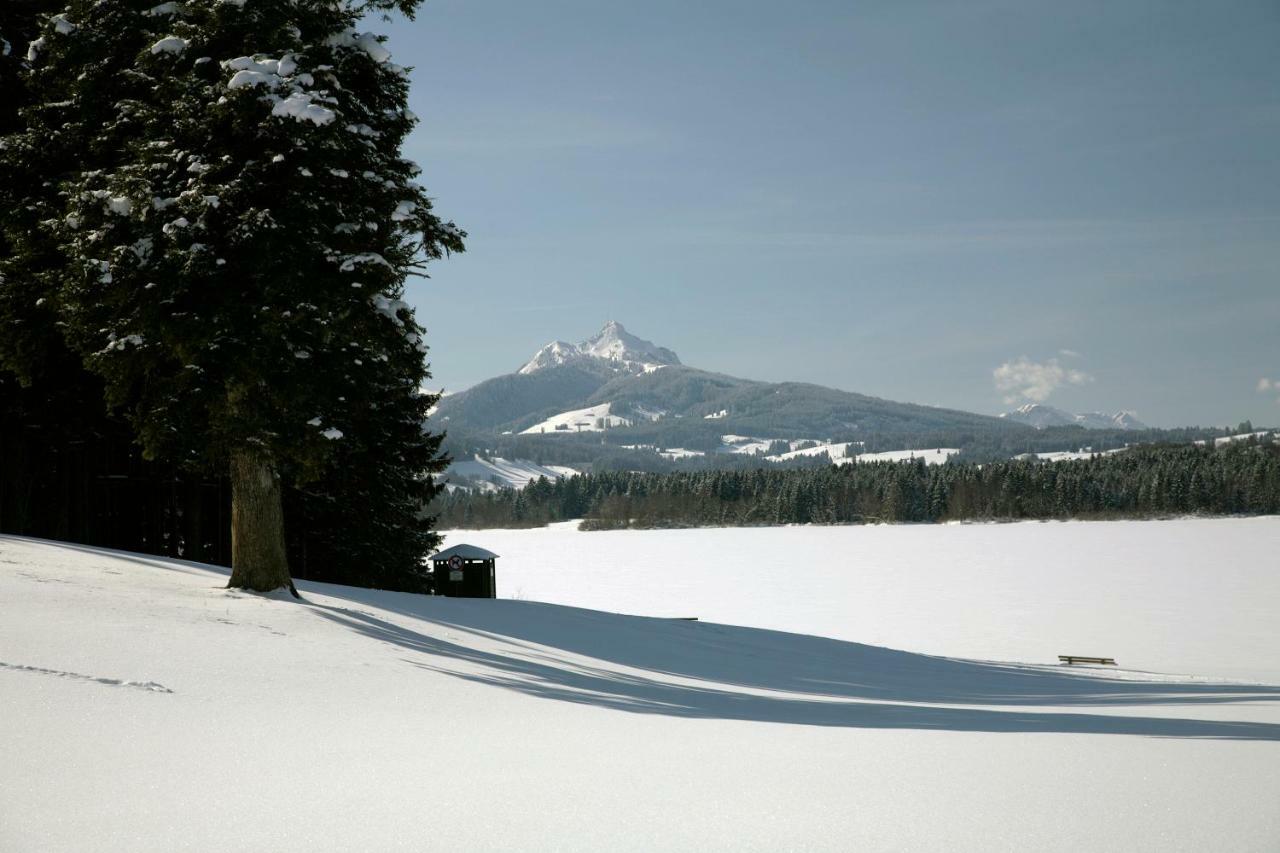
column 641, row 394
column 1239, row 478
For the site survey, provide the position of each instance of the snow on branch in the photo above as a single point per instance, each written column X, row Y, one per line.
column 350, row 262
column 170, row 44
column 370, row 43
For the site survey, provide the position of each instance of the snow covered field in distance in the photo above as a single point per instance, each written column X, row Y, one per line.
column 858, row 688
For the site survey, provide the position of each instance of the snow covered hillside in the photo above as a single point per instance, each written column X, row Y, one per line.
column 590, row 419
column 842, row 453
column 147, row 708
column 495, row 472
column 1245, row 436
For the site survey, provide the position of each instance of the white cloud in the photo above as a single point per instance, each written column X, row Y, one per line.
column 1024, row 379
column 1269, row 386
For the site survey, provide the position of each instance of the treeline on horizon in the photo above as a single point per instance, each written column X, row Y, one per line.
column 608, row 450
column 1242, row 478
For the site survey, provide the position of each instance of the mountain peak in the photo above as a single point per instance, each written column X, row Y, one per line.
column 613, row 344
column 1040, row 415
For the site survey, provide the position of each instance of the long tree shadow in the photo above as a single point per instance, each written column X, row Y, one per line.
column 734, row 669
column 724, row 672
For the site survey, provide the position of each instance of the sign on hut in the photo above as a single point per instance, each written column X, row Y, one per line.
column 465, row 571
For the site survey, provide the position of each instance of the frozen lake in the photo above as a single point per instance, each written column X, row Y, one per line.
column 1196, row 596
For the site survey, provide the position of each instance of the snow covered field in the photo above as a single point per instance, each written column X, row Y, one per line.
column 146, row 708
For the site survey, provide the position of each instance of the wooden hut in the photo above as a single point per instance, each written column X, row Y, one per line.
column 465, row 571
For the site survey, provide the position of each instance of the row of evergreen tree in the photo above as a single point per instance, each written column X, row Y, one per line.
column 206, row 226
column 1241, row 478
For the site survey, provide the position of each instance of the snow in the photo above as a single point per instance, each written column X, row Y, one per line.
column 579, row 420
column 170, row 44
column 672, row 453
column 62, row 26
column 613, row 347
column 744, row 444
column 120, row 205
column 148, row 708
column 350, row 262
column 244, row 79
column 1071, row 455
column 649, row 414
column 301, row 106
column 837, row 451
column 1244, row 436
column 388, row 307
column 332, row 433
column 164, row 9
column 715, row 416
column 495, row 472
column 1040, row 416
column 934, row 456
column 368, row 42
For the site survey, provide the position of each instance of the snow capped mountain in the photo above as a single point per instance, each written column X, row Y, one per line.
column 613, row 346
column 1102, row 420
column 553, row 354
column 1040, row 416
column 616, row 392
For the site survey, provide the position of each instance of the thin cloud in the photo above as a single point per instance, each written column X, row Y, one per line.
column 1269, row 386
column 1023, row 379
column 1069, row 353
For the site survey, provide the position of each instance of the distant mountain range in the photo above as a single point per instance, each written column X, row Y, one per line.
column 1040, row 416
column 642, row 395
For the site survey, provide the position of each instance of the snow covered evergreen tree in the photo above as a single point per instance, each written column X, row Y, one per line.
column 238, row 232
column 28, row 341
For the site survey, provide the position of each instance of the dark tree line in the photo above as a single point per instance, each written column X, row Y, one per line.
column 1241, row 478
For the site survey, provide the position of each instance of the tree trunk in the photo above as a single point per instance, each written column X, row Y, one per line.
column 258, row 559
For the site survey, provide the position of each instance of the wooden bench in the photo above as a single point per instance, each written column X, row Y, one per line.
column 1073, row 659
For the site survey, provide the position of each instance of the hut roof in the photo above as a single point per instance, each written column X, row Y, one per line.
column 466, row 552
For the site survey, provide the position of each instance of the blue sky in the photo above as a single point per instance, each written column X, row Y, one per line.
column 893, row 198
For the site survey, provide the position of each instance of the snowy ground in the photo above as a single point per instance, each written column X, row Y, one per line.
column 932, row 456
column 146, row 708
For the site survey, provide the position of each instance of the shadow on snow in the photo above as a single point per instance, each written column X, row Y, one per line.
column 723, row 672
column 732, row 673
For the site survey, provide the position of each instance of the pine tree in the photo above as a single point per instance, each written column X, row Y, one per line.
column 238, row 249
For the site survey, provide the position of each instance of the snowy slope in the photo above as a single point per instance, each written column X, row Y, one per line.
column 931, row 456
column 590, row 419
column 146, row 708
column 502, row 473
column 836, row 451
column 1040, row 416
column 1071, row 455
column 1244, row 436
